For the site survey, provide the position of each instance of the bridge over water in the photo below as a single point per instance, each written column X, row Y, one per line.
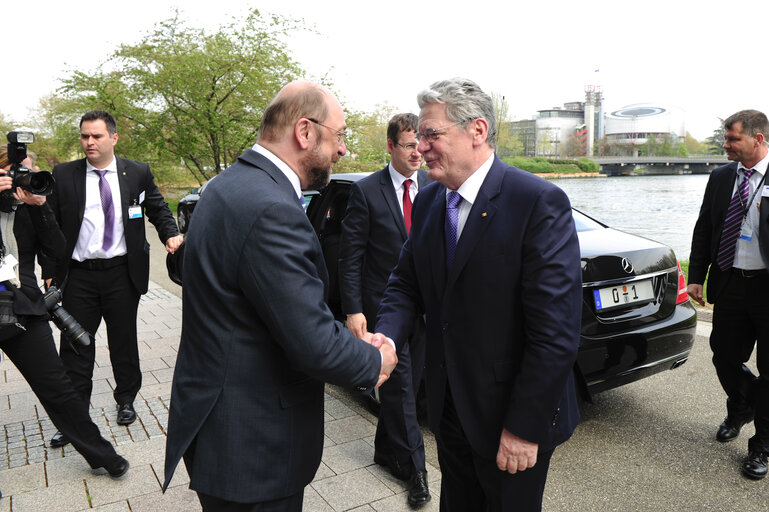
column 656, row 165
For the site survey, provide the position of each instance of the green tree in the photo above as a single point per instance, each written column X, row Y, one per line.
column 715, row 143
column 6, row 125
column 575, row 144
column 693, row 146
column 508, row 141
column 367, row 140
column 186, row 96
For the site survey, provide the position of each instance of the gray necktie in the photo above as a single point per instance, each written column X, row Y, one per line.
column 450, row 226
column 108, row 207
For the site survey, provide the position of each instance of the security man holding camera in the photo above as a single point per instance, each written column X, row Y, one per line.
column 27, row 226
column 100, row 203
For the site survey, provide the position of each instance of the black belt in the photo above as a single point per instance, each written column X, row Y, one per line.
column 750, row 273
column 99, row 263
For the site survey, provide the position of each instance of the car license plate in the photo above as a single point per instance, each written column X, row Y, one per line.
column 624, row 294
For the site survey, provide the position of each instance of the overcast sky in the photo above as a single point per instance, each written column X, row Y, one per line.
column 539, row 54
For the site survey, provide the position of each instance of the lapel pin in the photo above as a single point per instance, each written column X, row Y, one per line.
column 484, row 214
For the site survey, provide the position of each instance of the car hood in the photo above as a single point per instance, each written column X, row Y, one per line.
column 605, row 254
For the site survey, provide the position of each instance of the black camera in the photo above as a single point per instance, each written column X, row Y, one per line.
column 72, row 331
column 35, row 182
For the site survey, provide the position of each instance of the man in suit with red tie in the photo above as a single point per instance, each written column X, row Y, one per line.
column 100, row 202
column 376, row 224
column 731, row 239
column 493, row 262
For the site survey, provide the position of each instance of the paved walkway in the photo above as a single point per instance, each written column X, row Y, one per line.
column 34, row 477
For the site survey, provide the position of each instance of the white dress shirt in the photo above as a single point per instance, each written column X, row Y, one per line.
column 747, row 255
column 469, row 191
column 91, row 236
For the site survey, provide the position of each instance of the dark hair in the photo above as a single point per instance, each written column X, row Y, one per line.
column 94, row 115
column 753, row 122
column 401, row 123
column 290, row 105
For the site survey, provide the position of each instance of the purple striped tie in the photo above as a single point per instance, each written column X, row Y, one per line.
column 450, row 226
column 105, row 192
column 733, row 223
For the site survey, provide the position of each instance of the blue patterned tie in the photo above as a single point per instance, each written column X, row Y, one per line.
column 450, row 226
column 733, row 223
column 108, row 207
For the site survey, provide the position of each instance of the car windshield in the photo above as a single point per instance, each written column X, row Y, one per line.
column 585, row 223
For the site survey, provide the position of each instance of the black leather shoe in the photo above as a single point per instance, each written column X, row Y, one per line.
column 398, row 471
column 126, row 414
column 118, row 467
column 419, row 494
column 754, row 466
column 730, row 429
column 58, row 440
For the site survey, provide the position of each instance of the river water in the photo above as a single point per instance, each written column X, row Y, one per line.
column 663, row 208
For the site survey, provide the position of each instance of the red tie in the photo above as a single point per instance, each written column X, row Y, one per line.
column 407, row 205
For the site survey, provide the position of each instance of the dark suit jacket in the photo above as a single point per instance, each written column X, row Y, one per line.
column 503, row 323
column 135, row 178
column 707, row 231
column 373, row 232
column 258, row 341
column 36, row 230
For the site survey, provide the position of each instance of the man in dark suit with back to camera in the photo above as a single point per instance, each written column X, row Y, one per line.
column 100, row 202
column 258, row 341
column 493, row 262
column 376, row 224
column 731, row 239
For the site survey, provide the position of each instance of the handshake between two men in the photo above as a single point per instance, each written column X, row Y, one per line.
column 386, row 348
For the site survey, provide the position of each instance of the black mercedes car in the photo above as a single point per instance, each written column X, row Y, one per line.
column 637, row 319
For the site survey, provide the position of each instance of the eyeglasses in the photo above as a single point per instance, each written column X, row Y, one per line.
column 411, row 146
column 431, row 135
column 340, row 134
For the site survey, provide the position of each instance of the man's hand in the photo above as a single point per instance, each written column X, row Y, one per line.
column 356, row 322
column 389, row 361
column 173, row 243
column 28, row 198
column 515, row 454
column 695, row 292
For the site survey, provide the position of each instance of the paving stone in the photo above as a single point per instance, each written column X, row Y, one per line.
column 164, row 374
column 145, row 452
column 69, row 496
column 22, row 479
column 102, row 386
column 348, row 429
column 180, row 479
column 399, row 503
column 313, row 502
column 139, row 480
column 346, row 457
column 154, row 390
column 152, row 364
column 323, row 472
column 121, row 506
column 148, row 378
column 67, row 469
column 351, row 490
column 337, row 409
column 176, row 499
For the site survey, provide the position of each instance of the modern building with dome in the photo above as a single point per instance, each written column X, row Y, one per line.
column 630, row 128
